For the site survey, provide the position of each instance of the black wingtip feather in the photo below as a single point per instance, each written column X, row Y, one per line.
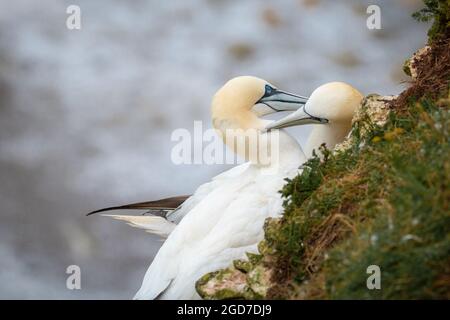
column 166, row 204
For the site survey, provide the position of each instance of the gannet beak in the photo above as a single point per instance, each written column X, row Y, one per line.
column 278, row 101
column 300, row 117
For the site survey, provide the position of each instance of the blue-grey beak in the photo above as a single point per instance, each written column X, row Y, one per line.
column 279, row 100
column 299, row 117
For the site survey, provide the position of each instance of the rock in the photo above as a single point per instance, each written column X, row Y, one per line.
column 259, row 280
column 410, row 66
column 242, row 265
column 227, row 283
column 243, row 280
column 374, row 110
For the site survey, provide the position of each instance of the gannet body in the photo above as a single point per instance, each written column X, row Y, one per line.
column 224, row 218
column 223, row 226
column 229, row 212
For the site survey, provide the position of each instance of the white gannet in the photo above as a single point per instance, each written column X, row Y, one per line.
column 224, row 218
column 238, row 105
column 226, row 215
column 334, row 103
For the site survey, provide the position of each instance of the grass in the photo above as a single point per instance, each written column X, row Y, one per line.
column 386, row 203
column 437, row 11
column 383, row 201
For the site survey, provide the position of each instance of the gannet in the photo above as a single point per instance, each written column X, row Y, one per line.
column 332, row 104
column 226, row 215
column 238, row 105
column 223, row 219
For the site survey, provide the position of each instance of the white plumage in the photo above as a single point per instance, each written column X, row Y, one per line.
column 224, row 218
column 152, row 224
column 223, row 226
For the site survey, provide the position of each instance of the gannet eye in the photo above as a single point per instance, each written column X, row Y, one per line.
column 269, row 91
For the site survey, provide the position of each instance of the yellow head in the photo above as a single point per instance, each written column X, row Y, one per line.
column 237, row 107
column 242, row 100
column 333, row 103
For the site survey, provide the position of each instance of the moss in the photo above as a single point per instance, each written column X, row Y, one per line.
column 407, row 234
column 253, row 258
column 259, row 281
column 380, row 198
column 242, row 265
column 385, row 205
column 246, row 279
column 199, row 285
column 227, row 283
column 437, row 11
column 407, row 67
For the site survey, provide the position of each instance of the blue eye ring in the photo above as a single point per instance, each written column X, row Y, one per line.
column 269, row 91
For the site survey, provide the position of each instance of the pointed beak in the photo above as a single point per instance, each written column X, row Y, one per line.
column 300, row 117
column 282, row 101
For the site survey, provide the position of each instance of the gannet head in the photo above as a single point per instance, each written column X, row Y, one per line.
column 242, row 100
column 333, row 103
column 236, row 110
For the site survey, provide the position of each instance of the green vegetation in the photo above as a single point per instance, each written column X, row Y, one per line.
column 382, row 199
column 439, row 12
column 385, row 203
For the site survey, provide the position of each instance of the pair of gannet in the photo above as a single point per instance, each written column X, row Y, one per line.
column 224, row 218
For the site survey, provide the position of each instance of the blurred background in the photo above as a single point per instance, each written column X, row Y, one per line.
column 86, row 115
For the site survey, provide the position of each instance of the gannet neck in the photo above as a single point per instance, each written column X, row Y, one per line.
column 330, row 134
column 261, row 148
column 241, row 119
column 289, row 152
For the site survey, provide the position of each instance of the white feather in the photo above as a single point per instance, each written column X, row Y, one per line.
column 225, row 221
column 151, row 224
